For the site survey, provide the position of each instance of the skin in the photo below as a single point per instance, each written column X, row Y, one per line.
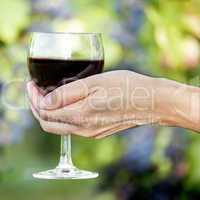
column 107, row 103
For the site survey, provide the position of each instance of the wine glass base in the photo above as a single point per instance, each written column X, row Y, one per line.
column 59, row 174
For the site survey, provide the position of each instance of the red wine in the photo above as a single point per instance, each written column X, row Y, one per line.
column 50, row 73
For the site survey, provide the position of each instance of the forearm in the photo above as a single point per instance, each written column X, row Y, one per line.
column 182, row 106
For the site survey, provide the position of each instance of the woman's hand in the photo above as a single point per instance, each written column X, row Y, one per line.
column 104, row 104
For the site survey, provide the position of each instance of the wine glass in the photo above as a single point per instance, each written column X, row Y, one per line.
column 55, row 59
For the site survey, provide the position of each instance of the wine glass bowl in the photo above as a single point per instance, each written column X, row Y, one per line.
column 55, row 59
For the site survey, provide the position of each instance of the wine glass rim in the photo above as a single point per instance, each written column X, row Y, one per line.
column 67, row 33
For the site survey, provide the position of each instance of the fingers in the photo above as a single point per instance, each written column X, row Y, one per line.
column 35, row 95
column 71, row 114
column 61, row 128
column 71, row 92
column 65, row 95
column 86, row 126
column 65, row 128
column 55, row 127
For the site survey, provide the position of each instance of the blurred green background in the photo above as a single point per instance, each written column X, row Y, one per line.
column 154, row 37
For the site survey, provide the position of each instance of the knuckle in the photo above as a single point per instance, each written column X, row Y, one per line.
column 43, row 115
column 49, row 129
column 91, row 133
column 46, row 116
column 45, row 127
column 88, row 135
column 76, row 119
column 83, row 133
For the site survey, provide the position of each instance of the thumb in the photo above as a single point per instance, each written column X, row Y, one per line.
column 65, row 95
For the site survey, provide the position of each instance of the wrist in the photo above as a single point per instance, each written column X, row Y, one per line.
column 181, row 105
column 164, row 91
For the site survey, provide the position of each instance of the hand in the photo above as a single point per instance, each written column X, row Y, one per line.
column 104, row 104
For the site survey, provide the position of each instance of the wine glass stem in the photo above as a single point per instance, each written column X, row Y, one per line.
column 65, row 152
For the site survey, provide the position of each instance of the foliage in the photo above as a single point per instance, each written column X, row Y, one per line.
column 14, row 18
